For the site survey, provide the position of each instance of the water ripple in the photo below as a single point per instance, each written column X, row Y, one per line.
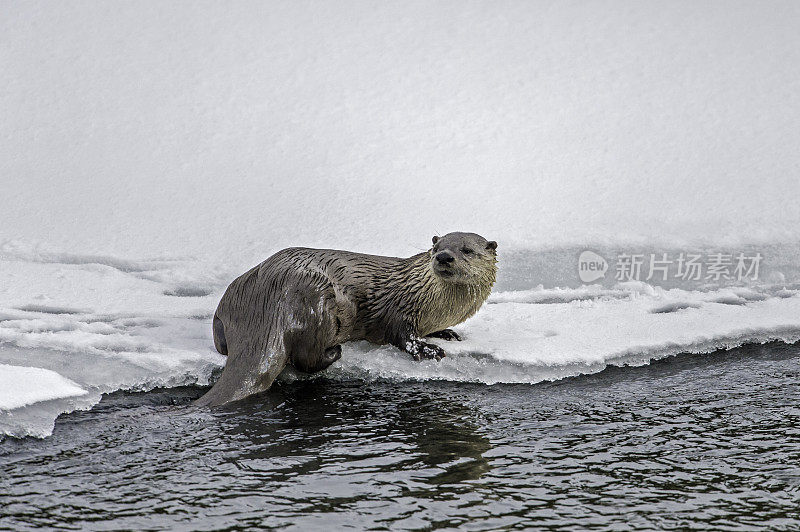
column 689, row 442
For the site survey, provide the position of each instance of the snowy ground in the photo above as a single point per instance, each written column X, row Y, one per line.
column 74, row 327
column 210, row 129
column 151, row 151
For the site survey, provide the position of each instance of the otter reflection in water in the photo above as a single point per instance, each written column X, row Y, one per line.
column 301, row 304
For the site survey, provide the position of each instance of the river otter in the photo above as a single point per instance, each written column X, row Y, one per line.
column 301, row 304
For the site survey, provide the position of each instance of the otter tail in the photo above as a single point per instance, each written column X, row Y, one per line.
column 219, row 336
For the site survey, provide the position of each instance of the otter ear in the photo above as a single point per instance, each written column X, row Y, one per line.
column 435, row 240
column 491, row 244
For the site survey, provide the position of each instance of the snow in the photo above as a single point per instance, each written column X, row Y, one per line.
column 22, row 386
column 529, row 342
column 153, row 129
column 93, row 328
column 150, row 152
column 102, row 326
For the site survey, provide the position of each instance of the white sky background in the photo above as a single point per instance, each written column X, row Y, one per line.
column 221, row 129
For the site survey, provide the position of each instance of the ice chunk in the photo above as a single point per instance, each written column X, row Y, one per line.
column 21, row 386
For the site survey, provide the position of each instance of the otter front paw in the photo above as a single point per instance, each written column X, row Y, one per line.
column 445, row 334
column 420, row 350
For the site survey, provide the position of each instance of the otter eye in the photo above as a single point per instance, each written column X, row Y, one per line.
column 466, row 251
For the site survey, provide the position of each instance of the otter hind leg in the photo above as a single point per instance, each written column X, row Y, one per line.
column 331, row 355
column 308, row 363
column 317, row 326
column 445, row 334
column 220, row 342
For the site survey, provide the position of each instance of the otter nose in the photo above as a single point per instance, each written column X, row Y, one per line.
column 444, row 258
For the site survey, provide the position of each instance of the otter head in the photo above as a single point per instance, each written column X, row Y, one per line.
column 464, row 258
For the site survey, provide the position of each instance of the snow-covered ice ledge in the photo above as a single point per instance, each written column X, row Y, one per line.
column 73, row 330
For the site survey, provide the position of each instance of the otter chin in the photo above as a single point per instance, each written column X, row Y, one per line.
column 298, row 307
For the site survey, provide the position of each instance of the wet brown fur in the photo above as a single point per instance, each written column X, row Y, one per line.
column 301, row 304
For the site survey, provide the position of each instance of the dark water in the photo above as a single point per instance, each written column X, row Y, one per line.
column 695, row 441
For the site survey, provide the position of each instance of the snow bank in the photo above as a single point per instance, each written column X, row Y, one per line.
column 229, row 131
column 151, row 151
column 522, row 342
column 22, row 386
column 71, row 331
column 102, row 324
